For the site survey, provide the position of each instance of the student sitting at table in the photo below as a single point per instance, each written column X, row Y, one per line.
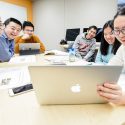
column 11, row 30
column 28, row 37
column 85, row 44
column 109, row 44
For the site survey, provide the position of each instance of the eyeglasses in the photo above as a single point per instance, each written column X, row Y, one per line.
column 117, row 32
column 29, row 30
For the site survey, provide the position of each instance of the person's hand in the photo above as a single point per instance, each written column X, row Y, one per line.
column 111, row 92
column 25, row 36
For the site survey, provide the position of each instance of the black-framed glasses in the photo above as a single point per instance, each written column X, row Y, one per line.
column 117, row 32
column 29, row 30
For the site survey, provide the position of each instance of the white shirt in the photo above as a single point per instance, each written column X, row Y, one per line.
column 119, row 58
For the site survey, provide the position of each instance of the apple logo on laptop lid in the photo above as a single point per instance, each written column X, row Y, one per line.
column 75, row 88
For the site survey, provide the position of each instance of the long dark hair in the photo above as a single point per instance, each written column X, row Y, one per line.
column 104, row 44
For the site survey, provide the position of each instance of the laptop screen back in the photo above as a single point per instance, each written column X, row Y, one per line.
column 71, row 84
column 29, row 46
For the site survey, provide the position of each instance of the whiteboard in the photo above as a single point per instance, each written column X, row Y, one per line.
column 8, row 10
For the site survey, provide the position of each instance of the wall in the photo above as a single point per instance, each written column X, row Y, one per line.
column 10, row 10
column 52, row 17
column 80, row 13
column 23, row 3
column 49, row 21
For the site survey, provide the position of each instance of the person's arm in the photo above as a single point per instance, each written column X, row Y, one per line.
column 91, row 51
column 76, row 47
column 5, row 52
column 99, row 59
column 42, row 47
column 118, row 58
column 112, row 93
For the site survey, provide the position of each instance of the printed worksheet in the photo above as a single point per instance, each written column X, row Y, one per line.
column 23, row 59
column 14, row 77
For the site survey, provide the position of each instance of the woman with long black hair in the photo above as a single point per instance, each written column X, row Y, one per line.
column 109, row 44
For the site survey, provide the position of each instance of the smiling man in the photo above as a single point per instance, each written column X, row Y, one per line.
column 85, row 44
column 28, row 37
column 11, row 30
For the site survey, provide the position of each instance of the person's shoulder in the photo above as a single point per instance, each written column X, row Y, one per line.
column 35, row 36
column 82, row 35
column 122, row 47
column 18, row 38
column 2, row 37
column 93, row 40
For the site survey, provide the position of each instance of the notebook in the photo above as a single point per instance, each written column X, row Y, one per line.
column 71, row 84
column 29, row 48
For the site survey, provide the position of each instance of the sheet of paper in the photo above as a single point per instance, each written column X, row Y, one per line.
column 23, row 59
column 14, row 77
column 57, row 53
column 57, row 60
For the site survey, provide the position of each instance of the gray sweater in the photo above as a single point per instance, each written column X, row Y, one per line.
column 84, row 48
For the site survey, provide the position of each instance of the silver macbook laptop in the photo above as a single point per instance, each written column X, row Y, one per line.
column 29, row 46
column 71, row 84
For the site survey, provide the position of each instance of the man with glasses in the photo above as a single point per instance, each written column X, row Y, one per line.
column 113, row 92
column 85, row 44
column 28, row 37
column 11, row 30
